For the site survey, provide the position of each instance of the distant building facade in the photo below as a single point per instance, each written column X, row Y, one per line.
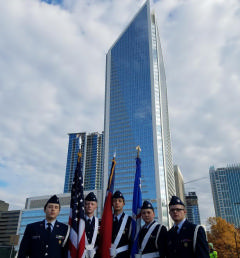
column 4, row 206
column 193, row 214
column 179, row 183
column 225, row 184
column 9, row 221
column 91, row 147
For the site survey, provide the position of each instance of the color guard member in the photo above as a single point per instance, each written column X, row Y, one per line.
column 121, row 230
column 152, row 236
column 47, row 238
column 185, row 239
column 91, row 225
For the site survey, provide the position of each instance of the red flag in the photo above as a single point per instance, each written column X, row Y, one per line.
column 76, row 217
column 107, row 217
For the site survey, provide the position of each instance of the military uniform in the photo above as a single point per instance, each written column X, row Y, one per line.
column 37, row 242
column 124, row 242
column 155, row 241
column 181, row 245
column 92, row 236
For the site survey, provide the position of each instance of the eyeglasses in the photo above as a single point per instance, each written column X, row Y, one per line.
column 178, row 210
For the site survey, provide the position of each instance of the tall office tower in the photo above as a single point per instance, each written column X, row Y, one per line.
column 179, row 183
column 91, row 147
column 225, row 183
column 192, row 208
column 136, row 113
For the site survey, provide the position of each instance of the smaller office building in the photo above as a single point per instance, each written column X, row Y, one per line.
column 8, row 229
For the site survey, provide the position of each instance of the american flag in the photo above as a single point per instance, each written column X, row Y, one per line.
column 76, row 217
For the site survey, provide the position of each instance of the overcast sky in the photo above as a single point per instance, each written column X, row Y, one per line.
column 52, row 82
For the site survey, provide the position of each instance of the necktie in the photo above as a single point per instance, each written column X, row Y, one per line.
column 115, row 220
column 49, row 229
column 89, row 222
column 176, row 229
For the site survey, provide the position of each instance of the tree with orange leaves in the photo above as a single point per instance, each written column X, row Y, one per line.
column 225, row 238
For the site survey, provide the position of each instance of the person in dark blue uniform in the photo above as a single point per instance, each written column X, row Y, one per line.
column 91, row 225
column 121, row 229
column 47, row 238
column 185, row 239
column 152, row 236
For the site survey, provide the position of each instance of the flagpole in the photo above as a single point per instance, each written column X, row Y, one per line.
column 136, row 205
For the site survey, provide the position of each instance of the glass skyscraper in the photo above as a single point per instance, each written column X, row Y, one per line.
column 192, row 208
column 225, row 183
column 91, row 146
column 136, row 113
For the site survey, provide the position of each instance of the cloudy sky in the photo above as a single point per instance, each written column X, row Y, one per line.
column 52, row 72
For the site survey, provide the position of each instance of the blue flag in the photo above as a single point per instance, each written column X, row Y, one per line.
column 136, row 207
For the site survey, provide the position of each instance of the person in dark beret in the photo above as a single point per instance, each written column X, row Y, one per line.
column 185, row 239
column 121, row 230
column 91, row 225
column 47, row 238
column 152, row 236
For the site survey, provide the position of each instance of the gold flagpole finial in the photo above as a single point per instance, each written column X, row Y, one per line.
column 79, row 156
column 138, row 150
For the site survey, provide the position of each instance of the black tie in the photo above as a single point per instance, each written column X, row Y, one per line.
column 115, row 220
column 49, row 229
column 176, row 229
column 89, row 222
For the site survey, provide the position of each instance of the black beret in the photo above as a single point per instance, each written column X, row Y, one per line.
column 118, row 194
column 176, row 200
column 147, row 205
column 91, row 197
column 53, row 199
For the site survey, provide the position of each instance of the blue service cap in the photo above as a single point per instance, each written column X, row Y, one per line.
column 91, row 197
column 118, row 194
column 176, row 200
column 52, row 199
column 147, row 205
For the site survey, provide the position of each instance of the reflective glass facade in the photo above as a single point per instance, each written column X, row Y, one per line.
column 225, row 183
column 192, row 208
column 91, row 146
column 136, row 113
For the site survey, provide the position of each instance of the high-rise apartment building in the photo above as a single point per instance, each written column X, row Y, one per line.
column 136, row 113
column 179, row 183
column 91, row 147
column 192, row 208
column 225, row 183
